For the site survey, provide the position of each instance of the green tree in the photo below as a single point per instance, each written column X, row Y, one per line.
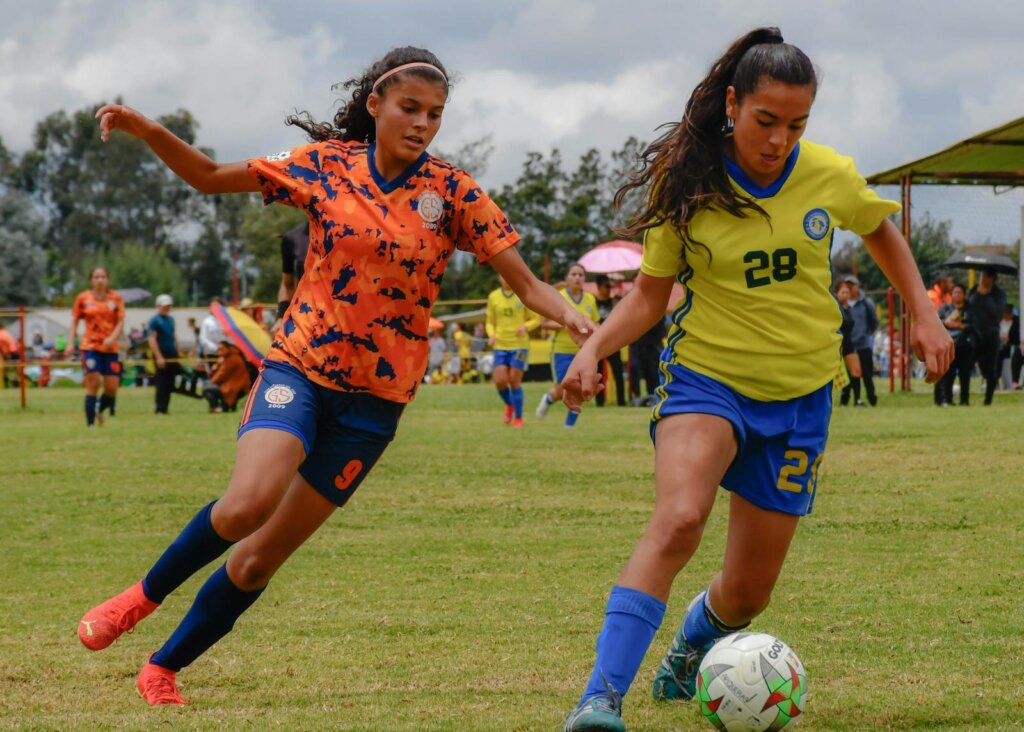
column 259, row 240
column 625, row 161
column 97, row 196
column 131, row 264
column 532, row 204
column 583, row 213
column 22, row 259
column 930, row 246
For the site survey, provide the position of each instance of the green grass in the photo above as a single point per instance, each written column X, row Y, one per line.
column 464, row 585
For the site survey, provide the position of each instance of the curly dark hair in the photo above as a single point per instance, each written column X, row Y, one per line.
column 353, row 121
column 683, row 171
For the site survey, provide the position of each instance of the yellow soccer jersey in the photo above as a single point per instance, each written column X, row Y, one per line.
column 759, row 316
column 506, row 314
column 587, row 305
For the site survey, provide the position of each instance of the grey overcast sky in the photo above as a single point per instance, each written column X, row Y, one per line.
column 900, row 78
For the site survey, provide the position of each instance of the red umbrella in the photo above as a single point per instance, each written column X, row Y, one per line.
column 613, row 256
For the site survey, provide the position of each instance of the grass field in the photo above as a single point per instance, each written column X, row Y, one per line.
column 464, row 585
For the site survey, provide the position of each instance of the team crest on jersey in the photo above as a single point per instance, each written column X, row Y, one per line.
column 816, row 223
column 430, row 206
column 283, row 155
column 279, row 395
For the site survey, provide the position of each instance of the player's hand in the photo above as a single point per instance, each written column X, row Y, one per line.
column 160, row 362
column 579, row 326
column 932, row 344
column 491, row 341
column 125, row 119
column 109, row 342
column 69, row 352
column 521, row 330
column 582, row 381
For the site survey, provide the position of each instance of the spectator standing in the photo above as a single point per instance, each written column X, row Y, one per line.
column 940, row 290
column 644, row 357
column 865, row 323
column 164, row 346
column 985, row 305
column 294, row 248
column 955, row 317
column 605, row 303
column 435, row 361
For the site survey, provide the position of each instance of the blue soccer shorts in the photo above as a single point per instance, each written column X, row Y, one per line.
column 781, row 444
column 343, row 433
column 514, row 359
column 560, row 365
column 107, row 364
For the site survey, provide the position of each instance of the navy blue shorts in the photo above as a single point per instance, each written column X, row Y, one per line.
column 343, row 433
column 560, row 365
column 515, row 359
column 107, row 364
column 781, row 444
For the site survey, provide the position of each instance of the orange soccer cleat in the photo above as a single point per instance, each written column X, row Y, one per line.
column 105, row 623
column 509, row 411
column 518, row 422
column 157, row 686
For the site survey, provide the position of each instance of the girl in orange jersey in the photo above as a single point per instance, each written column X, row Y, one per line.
column 385, row 217
column 102, row 310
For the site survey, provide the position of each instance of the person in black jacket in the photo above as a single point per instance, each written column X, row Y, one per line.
column 294, row 247
column 985, row 305
column 865, row 323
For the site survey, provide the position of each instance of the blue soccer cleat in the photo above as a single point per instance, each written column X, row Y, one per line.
column 600, row 713
column 676, row 679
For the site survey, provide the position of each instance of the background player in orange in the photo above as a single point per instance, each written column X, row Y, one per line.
column 102, row 310
column 385, row 217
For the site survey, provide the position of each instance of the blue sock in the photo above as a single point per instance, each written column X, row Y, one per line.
column 702, row 626
column 570, row 418
column 517, row 401
column 112, row 402
column 212, row 616
column 631, row 619
column 90, row 409
column 106, row 402
column 505, row 395
column 196, row 546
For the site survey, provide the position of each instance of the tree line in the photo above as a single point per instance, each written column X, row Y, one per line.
column 71, row 202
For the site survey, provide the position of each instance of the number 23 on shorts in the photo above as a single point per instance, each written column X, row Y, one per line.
column 792, row 475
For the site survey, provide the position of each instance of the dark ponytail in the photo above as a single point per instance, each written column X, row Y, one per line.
column 353, row 120
column 683, row 171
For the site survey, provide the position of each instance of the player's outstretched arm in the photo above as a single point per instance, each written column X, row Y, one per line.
column 929, row 337
column 630, row 319
column 541, row 297
column 191, row 165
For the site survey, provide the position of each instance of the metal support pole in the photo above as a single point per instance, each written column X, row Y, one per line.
column 21, row 353
column 906, row 352
column 892, row 339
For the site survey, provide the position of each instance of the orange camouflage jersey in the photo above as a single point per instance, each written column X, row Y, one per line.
column 377, row 253
column 100, row 316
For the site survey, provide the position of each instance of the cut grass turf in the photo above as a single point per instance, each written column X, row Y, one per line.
column 464, row 585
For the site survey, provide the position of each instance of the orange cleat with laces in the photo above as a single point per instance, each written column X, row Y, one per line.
column 157, row 686
column 105, row 623
column 509, row 411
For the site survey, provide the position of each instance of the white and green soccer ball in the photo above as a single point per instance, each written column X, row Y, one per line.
column 751, row 681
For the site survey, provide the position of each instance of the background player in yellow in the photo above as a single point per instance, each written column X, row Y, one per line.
column 562, row 346
column 741, row 211
column 508, row 326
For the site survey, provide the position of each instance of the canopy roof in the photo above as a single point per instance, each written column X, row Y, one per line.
column 992, row 158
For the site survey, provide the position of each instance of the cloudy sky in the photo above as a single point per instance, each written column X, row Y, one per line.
column 900, row 78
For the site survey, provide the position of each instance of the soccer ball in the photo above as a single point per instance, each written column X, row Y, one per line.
column 751, row 681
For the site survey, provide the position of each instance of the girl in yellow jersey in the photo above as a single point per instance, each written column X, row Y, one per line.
column 562, row 346
column 741, row 211
column 508, row 332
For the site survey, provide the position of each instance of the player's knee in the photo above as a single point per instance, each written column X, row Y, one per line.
column 234, row 520
column 678, row 530
column 253, row 571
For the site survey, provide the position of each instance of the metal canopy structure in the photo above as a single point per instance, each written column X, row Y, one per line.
column 992, row 158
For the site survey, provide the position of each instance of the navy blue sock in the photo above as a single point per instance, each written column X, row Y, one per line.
column 517, row 401
column 702, row 626
column 106, row 403
column 90, row 409
column 631, row 619
column 505, row 395
column 196, row 546
column 112, row 401
column 212, row 616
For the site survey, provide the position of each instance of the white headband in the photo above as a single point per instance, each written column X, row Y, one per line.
column 404, row 67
